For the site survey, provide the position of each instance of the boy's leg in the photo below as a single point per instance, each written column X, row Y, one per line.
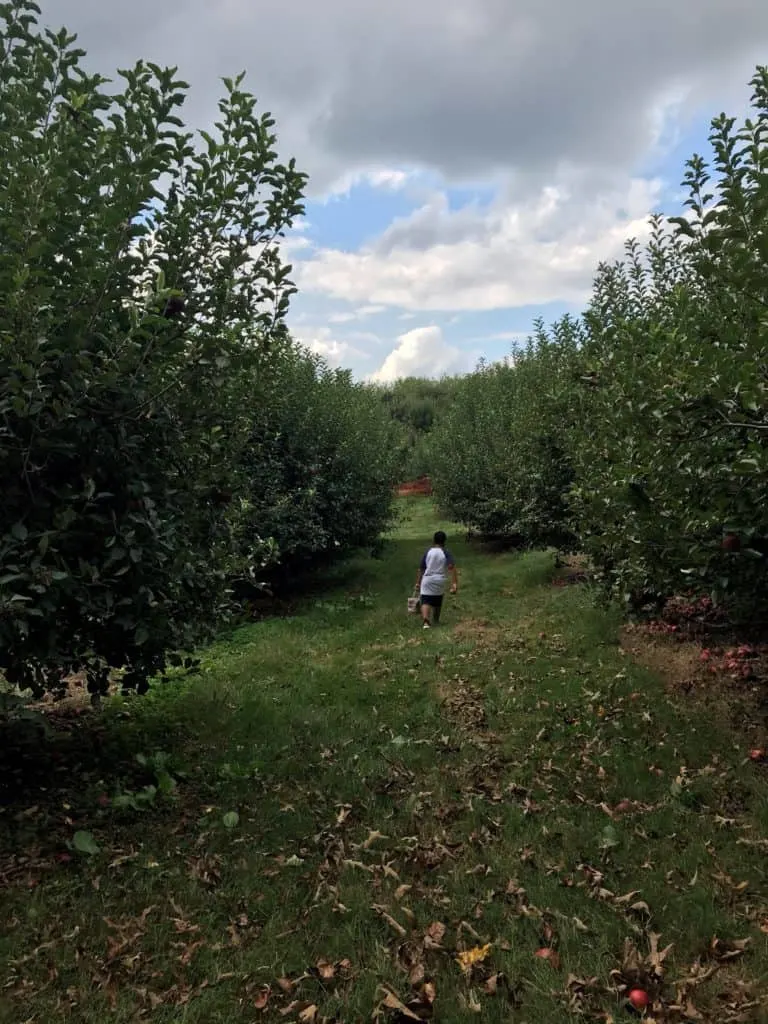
column 425, row 608
column 438, row 607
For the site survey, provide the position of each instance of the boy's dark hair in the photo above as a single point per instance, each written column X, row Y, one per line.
column 440, row 538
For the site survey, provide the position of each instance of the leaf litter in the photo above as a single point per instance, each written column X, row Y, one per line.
column 432, row 866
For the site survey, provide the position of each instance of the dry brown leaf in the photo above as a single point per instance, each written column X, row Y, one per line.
column 657, row 957
column 416, row 974
column 434, row 935
column 391, row 1002
column 395, row 925
column 641, row 907
column 262, row 998
column 627, row 897
column 402, row 890
column 325, row 970
column 308, row 1015
column 723, row 949
column 286, row 985
column 473, row 1003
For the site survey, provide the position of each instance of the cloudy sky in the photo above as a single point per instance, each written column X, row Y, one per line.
column 471, row 161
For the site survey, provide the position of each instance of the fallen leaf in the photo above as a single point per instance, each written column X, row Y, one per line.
column 391, row 1002
column 261, row 1000
column 325, row 969
column 470, row 957
column 657, row 957
column 723, row 949
column 395, row 925
column 434, row 935
column 309, row 1015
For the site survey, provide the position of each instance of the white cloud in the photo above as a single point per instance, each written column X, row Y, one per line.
column 481, row 258
column 322, row 342
column 353, row 347
column 422, row 352
column 355, row 314
column 388, row 179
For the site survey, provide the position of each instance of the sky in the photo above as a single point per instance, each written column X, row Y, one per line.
column 471, row 161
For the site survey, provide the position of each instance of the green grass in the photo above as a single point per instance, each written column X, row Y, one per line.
column 371, row 765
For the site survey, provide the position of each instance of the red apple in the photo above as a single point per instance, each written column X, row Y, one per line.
column 546, row 953
column 103, row 800
column 757, row 754
column 622, row 806
column 638, row 997
column 731, row 542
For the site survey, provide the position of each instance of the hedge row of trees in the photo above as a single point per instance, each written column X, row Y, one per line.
column 638, row 433
column 161, row 437
column 416, row 405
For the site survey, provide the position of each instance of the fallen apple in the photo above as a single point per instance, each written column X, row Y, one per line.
column 622, row 806
column 638, row 998
column 547, row 953
column 757, row 754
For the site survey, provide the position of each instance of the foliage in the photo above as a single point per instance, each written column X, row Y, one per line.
column 141, row 287
column 416, row 405
column 319, row 463
column 499, row 457
column 672, row 460
column 642, row 429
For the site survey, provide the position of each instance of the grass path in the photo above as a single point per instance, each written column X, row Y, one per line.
column 359, row 805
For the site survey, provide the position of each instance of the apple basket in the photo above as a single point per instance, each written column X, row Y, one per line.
column 413, row 605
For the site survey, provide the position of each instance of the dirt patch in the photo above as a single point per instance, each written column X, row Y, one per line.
column 415, row 488
column 571, row 569
column 479, row 630
column 676, row 662
column 735, row 689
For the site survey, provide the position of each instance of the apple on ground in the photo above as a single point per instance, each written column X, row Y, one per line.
column 639, row 998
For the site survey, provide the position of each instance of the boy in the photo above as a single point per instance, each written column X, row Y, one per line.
column 431, row 580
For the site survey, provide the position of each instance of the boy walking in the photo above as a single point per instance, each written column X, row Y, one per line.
column 432, row 578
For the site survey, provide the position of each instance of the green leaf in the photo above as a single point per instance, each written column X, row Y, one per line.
column 608, row 838
column 19, row 531
column 84, row 843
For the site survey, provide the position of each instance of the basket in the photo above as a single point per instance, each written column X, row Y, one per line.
column 413, row 605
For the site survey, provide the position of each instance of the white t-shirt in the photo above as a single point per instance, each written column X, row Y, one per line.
column 434, row 566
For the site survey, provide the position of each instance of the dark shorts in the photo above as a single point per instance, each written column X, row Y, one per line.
column 433, row 600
